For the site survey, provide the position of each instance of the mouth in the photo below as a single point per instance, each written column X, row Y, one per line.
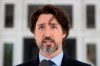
column 48, row 42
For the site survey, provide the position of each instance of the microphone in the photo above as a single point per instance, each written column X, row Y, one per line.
column 44, row 63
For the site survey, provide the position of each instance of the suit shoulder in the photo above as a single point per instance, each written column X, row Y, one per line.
column 32, row 62
column 77, row 63
column 28, row 63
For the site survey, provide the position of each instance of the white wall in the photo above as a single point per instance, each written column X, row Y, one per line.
column 20, row 30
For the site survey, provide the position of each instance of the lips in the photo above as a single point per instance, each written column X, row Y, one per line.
column 48, row 42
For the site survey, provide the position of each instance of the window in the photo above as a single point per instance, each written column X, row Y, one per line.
column 9, row 15
column 70, row 47
column 30, row 49
column 69, row 10
column 30, row 10
column 8, row 54
column 90, row 16
column 91, row 54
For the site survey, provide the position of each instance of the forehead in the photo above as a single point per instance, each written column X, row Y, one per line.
column 46, row 18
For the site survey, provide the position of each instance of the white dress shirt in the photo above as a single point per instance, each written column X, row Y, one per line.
column 57, row 59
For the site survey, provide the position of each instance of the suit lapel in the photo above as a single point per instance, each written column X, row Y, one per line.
column 65, row 60
column 35, row 61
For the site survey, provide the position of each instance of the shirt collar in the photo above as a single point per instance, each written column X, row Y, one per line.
column 57, row 59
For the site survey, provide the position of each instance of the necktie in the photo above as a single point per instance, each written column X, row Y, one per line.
column 52, row 63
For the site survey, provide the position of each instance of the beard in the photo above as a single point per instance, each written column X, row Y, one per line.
column 48, row 48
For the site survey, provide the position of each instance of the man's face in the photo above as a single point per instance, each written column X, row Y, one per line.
column 48, row 34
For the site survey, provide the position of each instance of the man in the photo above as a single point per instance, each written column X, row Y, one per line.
column 50, row 25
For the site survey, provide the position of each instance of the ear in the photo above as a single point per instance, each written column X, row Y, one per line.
column 34, row 34
column 64, row 34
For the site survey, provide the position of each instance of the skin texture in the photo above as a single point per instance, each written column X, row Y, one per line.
column 49, row 35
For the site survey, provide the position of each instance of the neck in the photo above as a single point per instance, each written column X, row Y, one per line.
column 51, row 55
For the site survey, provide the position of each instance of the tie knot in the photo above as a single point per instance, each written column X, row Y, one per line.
column 52, row 63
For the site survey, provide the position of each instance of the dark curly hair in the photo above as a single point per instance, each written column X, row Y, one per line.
column 61, row 16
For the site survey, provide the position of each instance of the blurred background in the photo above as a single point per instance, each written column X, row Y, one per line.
column 17, row 43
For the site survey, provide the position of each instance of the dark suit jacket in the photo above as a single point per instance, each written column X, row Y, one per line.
column 66, row 61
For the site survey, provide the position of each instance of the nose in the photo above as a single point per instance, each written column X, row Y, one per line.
column 47, row 33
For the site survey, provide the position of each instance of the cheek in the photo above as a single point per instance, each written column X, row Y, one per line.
column 59, row 35
column 38, row 37
column 38, row 41
column 58, row 38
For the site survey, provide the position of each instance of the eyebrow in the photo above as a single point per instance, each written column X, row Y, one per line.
column 53, row 23
column 41, row 24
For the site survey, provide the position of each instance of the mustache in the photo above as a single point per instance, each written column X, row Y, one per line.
column 47, row 39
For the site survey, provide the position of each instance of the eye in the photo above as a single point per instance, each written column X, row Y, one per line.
column 41, row 27
column 53, row 27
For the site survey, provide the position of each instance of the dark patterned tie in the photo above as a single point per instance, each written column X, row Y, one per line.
column 52, row 63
